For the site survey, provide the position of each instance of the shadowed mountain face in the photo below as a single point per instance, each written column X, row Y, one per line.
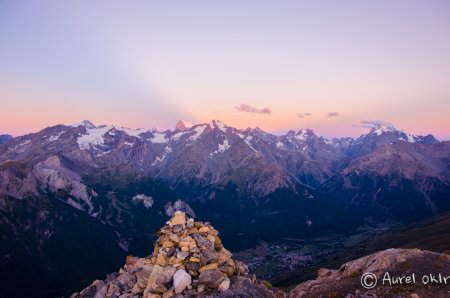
column 403, row 181
column 112, row 187
column 5, row 138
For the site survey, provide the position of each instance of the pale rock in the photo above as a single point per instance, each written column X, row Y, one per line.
column 178, row 219
column 224, row 285
column 181, row 280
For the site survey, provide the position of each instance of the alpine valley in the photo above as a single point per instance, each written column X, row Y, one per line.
column 76, row 200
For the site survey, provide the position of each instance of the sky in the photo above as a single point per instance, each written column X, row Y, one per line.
column 332, row 66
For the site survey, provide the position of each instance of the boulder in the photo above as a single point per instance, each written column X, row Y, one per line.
column 207, row 255
column 178, row 219
column 224, row 285
column 211, row 278
column 181, row 280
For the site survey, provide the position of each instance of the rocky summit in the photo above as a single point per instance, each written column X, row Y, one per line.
column 188, row 260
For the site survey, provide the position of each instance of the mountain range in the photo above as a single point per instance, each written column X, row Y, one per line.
column 82, row 189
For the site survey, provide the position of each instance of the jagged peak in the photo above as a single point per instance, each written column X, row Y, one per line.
column 183, row 125
column 85, row 123
column 218, row 124
column 379, row 129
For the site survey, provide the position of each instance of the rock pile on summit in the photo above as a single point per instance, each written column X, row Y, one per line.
column 188, row 260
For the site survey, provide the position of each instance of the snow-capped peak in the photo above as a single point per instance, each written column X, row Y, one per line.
column 399, row 135
column 380, row 129
column 219, row 124
column 183, row 125
column 85, row 123
column 302, row 134
column 94, row 135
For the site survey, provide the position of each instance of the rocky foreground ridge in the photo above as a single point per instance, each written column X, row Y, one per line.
column 412, row 273
column 188, row 260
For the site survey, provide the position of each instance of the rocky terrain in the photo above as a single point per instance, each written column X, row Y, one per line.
column 188, row 260
column 412, row 273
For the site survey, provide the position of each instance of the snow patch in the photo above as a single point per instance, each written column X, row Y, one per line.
column 159, row 159
column 132, row 132
column 128, row 143
column 103, row 153
column 378, row 132
column 280, row 144
column 222, row 147
column 198, row 132
column 55, row 137
column 95, row 135
column 380, row 129
column 92, row 138
column 247, row 141
column 410, row 137
column 219, row 124
column 24, row 143
column 159, row 138
column 85, row 123
column 301, row 135
column 178, row 135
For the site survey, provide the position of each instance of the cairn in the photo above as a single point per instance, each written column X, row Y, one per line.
column 189, row 259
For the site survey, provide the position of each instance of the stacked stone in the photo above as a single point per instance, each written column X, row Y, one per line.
column 189, row 259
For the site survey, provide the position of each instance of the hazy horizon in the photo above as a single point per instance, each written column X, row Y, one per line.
column 363, row 126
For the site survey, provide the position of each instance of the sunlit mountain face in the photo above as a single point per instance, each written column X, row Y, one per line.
column 71, row 193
